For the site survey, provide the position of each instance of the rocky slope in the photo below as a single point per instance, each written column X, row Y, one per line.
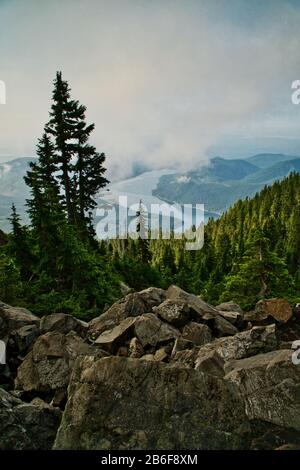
column 158, row 370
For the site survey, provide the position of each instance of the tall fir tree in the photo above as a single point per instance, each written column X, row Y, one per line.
column 79, row 166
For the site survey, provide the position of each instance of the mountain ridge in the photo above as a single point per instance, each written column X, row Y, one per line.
column 218, row 184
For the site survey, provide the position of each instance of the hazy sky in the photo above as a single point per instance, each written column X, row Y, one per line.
column 165, row 81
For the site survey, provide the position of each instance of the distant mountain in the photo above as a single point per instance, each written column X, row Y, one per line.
column 265, row 160
column 12, row 177
column 220, row 184
column 222, row 170
column 217, row 185
column 277, row 171
column 13, row 189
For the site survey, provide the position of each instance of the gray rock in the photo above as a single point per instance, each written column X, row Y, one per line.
column 229, row 307
column 235, row 318
column 47, row 367
column 210, row 363
column 151, row 331
column 25, row 336
column 161, row 355
column 136, row 350
column 248, row 343
column 222, row 327
column 120, row 403
column 148, row 357
column 63, row 323
column 269, row 384
column 131, row 306
column 197, row 333
column 27, row 426
column 13, row 318
column 111, row 340
column 186, row 357
column 200, row 310
column 176, row 312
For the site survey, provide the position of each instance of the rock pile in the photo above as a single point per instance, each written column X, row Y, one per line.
column 158, row 370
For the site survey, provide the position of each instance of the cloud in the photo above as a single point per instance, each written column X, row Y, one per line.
column 163, row 81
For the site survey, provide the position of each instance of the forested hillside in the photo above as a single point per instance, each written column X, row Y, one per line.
column 251, row 252
column 56, row 264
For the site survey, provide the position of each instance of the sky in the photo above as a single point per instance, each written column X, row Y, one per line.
column 168, row 83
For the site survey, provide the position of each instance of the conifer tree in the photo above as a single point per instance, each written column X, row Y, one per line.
column 143, row 234
column 88, row 173
column 78, row 164
column 62, row 126
column 19, row 246
column 44, row 206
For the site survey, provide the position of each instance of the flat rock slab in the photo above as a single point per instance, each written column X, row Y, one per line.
column 270, row 386
column 120, row 403
column 151, row 331
column 247, row 343
column 110, row 340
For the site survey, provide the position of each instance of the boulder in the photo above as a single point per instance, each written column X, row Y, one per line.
column 256, row 318
column 229, row 307
column 245, row 344
column 279, row 309
column 120, row 403
column 111, row 340
column 200, row 310
column 152, row 297
column 136, row 350
column 47, row 367
column 161, row 355
column 236, row 318
column 222, row 327
column 27, row 426
column 13, row 318
column 25, row 336
column 151, row 331
column 18, row 341
column 176, row 312
column 269, row 384
column 197, row 333
column 131, row 306
column 210, row 363
column 147, row 357
column 63, row 323
column 185, row 357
